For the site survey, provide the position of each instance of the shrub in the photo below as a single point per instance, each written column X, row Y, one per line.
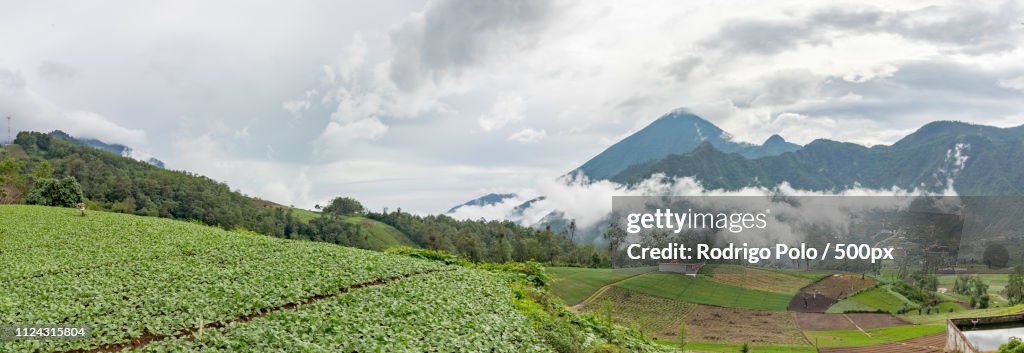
column 65, row 192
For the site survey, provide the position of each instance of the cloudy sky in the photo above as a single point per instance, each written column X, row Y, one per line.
column 426, row 104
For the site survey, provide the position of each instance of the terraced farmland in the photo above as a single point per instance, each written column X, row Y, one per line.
column 700, row 290
column 138, row 280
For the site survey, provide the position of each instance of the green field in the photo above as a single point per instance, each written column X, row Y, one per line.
column 700, row 290
column 883, row 299
column 574, row 284
column 128, row 276
column 759, row 278
column 380, row 236
column 732, row 348
column 941, row 317
column 856, row 338
column 655, row 316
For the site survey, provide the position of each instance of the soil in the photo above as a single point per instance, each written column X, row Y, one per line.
column 819, row 296
column 732, row 325
column 829, row 322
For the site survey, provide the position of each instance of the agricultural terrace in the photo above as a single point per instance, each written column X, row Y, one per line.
column 135, row 279
column 759, row 279
column 656, row 317
column 702, row 290
column 574, row 284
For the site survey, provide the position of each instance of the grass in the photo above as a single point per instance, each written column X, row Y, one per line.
column 654, row 316
column 381, row 236
column 883, row 299
column 856, row 338
column 732, row 348
column 849, row 306
column 700, row 290
column 940, row 318
column 757, row 278
column 574, row 284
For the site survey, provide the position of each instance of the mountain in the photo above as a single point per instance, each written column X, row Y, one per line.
column 677, row 132
column 117, row 148
column 486, row 200
column 971, row 159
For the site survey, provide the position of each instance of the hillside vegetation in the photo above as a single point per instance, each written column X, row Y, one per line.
column 148, row 284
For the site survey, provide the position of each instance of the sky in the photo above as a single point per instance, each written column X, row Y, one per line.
column 426, row 104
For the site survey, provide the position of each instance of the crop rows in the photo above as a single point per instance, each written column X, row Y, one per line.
column 126, row 276
column 450, row 311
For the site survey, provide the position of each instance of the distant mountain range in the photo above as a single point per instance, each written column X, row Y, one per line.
column 675, row 133
column 119, row 149
column 970, row 159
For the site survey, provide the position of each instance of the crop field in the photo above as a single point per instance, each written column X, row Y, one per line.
column 574, row 284
column 883, row 299
column 759, row 279
column 731, row 325
column 856, row 338
column 446, row 311
column 134, row 278
column 700, row 290
column 655, row 316
column 733, row 347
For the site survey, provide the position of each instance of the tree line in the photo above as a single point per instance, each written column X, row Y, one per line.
column 49, row 170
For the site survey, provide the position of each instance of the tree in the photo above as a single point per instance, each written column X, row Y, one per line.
column 1015, row 286
column 64, row 192
column 343, row 206
column 12, row 184
column 745, row 348
column 996, row 256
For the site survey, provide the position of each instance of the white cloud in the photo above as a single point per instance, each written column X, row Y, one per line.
column 528, row 135
column 506, row 109
column 31, row 111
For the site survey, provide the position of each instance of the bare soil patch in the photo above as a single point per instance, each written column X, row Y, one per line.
column 732, row 325
column 833, row 322
column 820, row 295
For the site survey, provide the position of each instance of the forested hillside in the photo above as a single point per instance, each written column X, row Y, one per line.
column 110, row 182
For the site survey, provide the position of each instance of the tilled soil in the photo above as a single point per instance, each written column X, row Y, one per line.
column 715, row 324
column 928, row 344
column 820, row 295
column 831, row 322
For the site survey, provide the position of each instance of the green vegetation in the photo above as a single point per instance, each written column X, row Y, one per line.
column 856, row 338
column 883, row 299
column 758, row 278
column 700, row 290
column 439, row 312
column 110, row 182
column 941, row 316
column 129, row 276
column 733, row 348
column 574, row 284
column 849, row 305
column 655, row 316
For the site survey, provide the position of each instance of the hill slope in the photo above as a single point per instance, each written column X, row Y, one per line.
column 150, row 284
column 972, row 159
column 129, row 276
column 674, row 133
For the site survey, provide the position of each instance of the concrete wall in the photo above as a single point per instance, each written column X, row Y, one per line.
column 955, row 340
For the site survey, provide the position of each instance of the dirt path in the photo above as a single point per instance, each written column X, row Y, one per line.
column 148, row 337
column 599, row 291
column 928, row 344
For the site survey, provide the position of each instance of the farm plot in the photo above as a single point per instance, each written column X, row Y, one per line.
column 759, row 279
column 731, row 325
column 822, row 294
column 857, row 338
column 451, row 311
column 699, row 290
column 129, row 277
column 574, row 284
column 838, row 322
column 655, row 316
